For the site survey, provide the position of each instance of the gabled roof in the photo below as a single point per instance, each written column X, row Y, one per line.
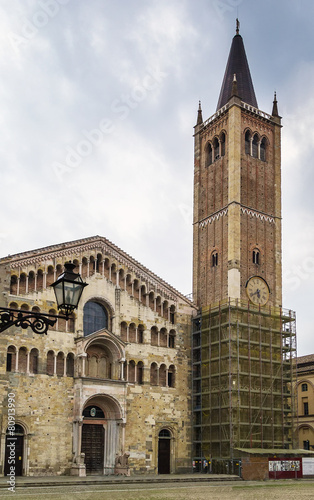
column 71, row 248
column 237, row 65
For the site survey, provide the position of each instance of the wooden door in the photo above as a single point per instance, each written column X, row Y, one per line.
column 93, row 447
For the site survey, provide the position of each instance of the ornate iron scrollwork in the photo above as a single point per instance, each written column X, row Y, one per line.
column 38, row 322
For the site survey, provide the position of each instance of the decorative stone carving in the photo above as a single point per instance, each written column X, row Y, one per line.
column 78, row 466
column 121, row 465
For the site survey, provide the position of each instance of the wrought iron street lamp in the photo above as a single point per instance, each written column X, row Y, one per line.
column 68, row 290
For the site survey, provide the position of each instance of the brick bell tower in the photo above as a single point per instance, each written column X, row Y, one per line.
column 243, row 341
column 237, row 194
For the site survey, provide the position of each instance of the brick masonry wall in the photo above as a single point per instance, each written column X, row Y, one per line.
column 255, row 468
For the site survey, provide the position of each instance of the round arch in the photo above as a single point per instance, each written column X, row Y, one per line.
column 101, row 437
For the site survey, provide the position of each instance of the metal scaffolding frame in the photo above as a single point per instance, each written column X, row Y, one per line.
column 242, row 372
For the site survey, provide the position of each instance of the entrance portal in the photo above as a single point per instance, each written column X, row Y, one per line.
column 93, row 447
column 93, row 439
column 164, row 441
column 14, row 442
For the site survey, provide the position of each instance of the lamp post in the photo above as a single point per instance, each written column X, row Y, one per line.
column 68, row 290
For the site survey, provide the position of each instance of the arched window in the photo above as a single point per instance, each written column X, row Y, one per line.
column 50, row 276
column 154, row 335
column 214, row 259
column 132, row 332
column 13, row 285
column 255, row 146
column 22, row 359
column 216, row 149
column 263, row 149
column 11, row 357
column 31, row 281
column 40, row 279
column 208, row 155
column 153, row 374
column 256, row 256
column 163, row 337
column 84, row 272
column 131, row 377
column 22, row 284
column 95, row 317
column 140, row 334
column 172, row 314
column 172, row 339
column 162, row 375
column 247, row 142
column 33, row 361
column 60, row 364
column 70, row 365
column 91, row 265
column 223, row 144
column 50, row 363
column 140, row 372
column 171, row 376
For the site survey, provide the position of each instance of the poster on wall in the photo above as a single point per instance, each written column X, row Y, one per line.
column 287, row 468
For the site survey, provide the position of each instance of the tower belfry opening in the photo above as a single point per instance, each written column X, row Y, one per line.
column 243, row 341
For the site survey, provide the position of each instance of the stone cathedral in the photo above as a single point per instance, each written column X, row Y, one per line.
column 139, row 370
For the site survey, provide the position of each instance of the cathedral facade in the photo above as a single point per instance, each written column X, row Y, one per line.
column 112, row 380
column 139, row 370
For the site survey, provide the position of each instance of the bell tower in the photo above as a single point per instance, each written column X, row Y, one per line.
column 237, row 193
column 243, row 341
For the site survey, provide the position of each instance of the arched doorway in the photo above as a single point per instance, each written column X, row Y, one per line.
column 101, row 436
column 93, row 439
column 14, row 444
column 164, row 449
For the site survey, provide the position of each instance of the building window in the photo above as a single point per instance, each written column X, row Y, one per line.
column 304, row 387
column 33, row 361
column 306, row 444
column 305, row 408
column 263, row 150
column 214, row 259
column 11, row 357
column 256, row 257
column 95, row 318
column 172, row 314
column 171, row 339
column 255, row 146
column 208, row 155
column 248, row 143
column 223, row 144
column 171, row 376
column 216, row 149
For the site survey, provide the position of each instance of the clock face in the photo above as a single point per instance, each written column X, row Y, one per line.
column 257, row 290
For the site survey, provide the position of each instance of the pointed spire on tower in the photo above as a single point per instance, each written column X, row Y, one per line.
column 237, row 64
column 275, row 106
column 199, row 114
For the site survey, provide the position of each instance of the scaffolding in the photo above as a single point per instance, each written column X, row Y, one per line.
column 242, row 357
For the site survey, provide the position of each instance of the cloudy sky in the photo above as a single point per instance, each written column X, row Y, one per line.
column 98, row 101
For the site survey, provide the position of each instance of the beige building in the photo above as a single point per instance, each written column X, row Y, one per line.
column 304, row 392
column 113, row 379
